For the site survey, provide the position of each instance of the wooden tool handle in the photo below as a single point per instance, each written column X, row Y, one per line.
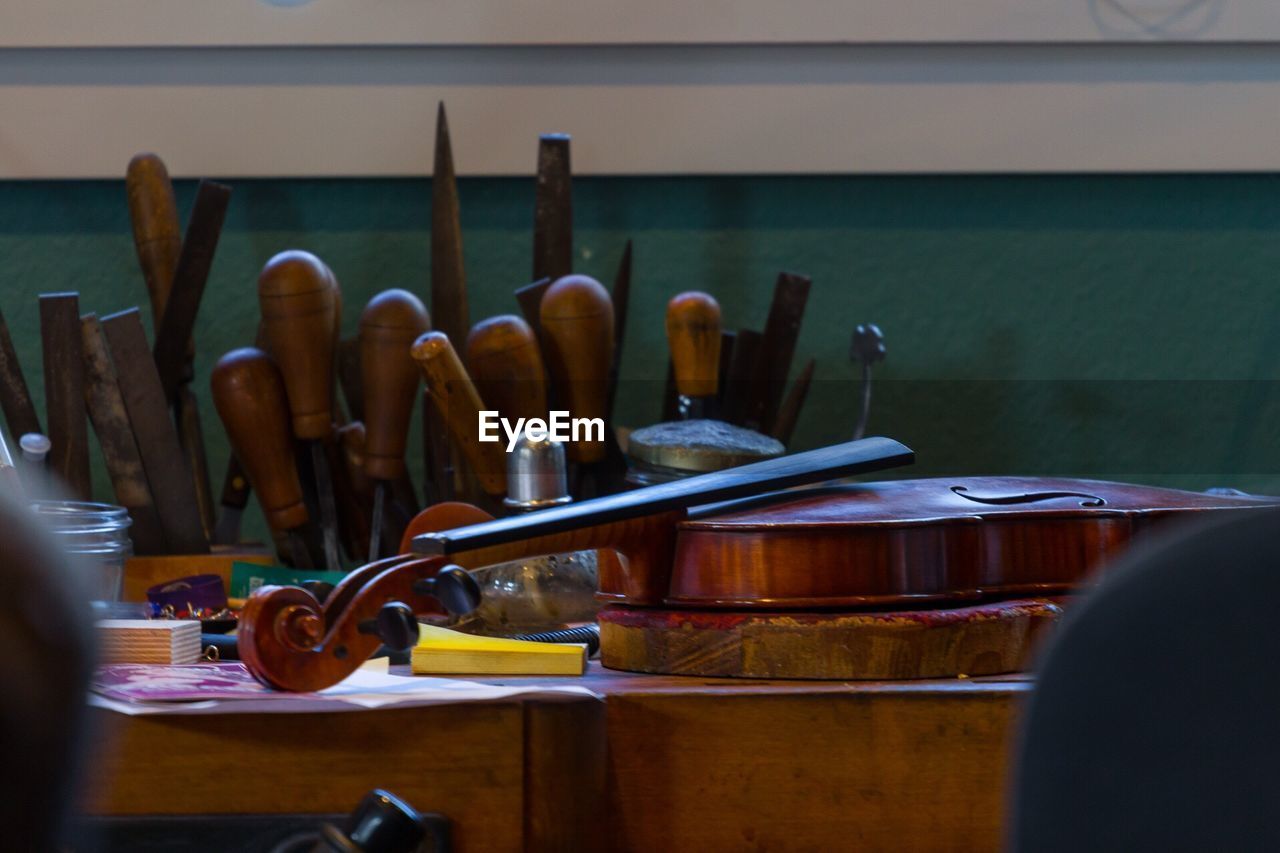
column 693, row 333
column 249, row 394
column 577, row 328
column 297, row 296
column 174, row 346
column 352, row 438
column 391, row 322
column 157, row 234
column 506, row 365
column 459, row 404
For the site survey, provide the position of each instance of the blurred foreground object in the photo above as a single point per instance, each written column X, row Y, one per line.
column 44, row 674
column 1152, row 725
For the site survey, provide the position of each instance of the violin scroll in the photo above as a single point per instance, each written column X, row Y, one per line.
column 289, row 640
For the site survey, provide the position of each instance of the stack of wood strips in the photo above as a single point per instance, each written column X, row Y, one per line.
column 148, row 641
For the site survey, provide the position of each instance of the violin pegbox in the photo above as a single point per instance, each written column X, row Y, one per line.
column 289, row 640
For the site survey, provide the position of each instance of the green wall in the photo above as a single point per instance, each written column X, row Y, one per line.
column 1124, row 327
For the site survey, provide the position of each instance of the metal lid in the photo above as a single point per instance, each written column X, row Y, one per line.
column 699, row 446
column 536, row 474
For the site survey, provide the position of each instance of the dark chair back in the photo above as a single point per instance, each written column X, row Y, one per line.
column 1155, row 721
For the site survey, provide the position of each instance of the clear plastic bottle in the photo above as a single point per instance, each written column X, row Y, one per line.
column 537, row 594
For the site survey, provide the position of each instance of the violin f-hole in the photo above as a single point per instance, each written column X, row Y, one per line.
column 1088, row 500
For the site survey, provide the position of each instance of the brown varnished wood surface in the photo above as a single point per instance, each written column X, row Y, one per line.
column 749, row 765
column 565, row 772
column 916, row 541
column 690, row 764
column 839, row 770
column 467, row 765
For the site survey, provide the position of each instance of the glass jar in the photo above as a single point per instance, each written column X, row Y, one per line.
column 96, row 536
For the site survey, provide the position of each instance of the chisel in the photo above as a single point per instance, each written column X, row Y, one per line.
column 249, row 394
column 505, row 364
column 455, row 396
column 297, row 297
column 389, row 325
column 577, row 334
column 553, row 209
column 693, row 333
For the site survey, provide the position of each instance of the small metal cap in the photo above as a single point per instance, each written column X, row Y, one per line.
column 536, row 474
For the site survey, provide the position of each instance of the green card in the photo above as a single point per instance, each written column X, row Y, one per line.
column 246, row 577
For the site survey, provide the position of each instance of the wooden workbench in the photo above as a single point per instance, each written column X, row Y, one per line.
column 659, row 763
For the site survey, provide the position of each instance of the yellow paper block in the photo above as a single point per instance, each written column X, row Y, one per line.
column 441, row 651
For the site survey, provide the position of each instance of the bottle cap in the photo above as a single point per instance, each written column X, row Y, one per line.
column 35, row 446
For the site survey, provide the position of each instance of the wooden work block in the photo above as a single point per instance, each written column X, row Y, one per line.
column 986, row 639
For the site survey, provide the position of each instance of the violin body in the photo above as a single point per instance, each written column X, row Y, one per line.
column 828, row 550
column 917, row 541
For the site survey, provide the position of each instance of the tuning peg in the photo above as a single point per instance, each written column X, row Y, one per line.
column 395, row 625
column 382, row 823
column 320, row 589
column 454, row 587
